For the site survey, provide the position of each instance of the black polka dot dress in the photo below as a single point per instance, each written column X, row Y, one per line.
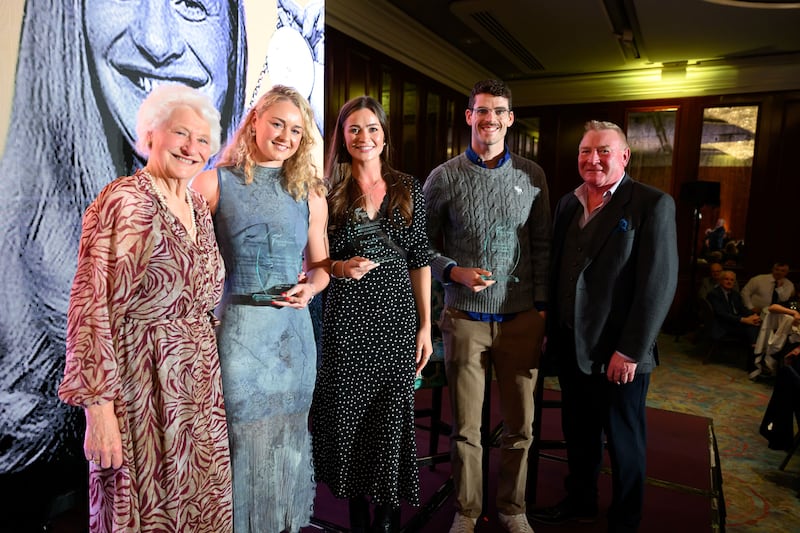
column 363, row 408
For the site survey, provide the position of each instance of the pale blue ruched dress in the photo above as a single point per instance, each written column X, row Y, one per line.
column 268, row 354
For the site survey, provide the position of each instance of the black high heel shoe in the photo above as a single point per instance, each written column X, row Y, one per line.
column 359, row 515
column 387, row 519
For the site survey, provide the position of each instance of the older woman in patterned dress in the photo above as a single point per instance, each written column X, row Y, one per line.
column 141, row 352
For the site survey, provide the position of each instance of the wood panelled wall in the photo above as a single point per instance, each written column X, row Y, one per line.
column 772, row 204
column 426, row 118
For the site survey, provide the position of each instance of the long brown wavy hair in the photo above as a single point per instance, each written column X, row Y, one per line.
column 300, row 175
column 344, row 190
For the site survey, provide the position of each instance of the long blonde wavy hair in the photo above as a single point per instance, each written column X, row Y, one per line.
column 300, row 174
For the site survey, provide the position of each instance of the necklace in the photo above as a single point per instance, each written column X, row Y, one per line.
column 372, row 185
column 367, row 195
column 163, row 201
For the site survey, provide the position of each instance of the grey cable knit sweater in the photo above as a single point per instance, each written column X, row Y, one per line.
column 474, row 212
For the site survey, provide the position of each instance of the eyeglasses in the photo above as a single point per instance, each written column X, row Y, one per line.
column 499, row 112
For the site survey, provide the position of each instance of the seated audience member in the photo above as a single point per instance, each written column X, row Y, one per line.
column 775, row 335
column 711, row 281
column 777, row 425
column 715, row 238
column 731, row 317
column 792, row 333
column 793, row 303
column 766, row 289
column 789, row 309
column 731, row 253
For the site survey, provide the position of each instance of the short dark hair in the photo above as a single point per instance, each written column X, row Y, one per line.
column 493, row 87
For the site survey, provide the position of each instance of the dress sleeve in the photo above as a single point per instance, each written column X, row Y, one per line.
column 115, row 247
column 419, row 248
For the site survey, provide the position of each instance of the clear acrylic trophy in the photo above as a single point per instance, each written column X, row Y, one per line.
column 502, row 251
column 271, row 261
column 371, row 242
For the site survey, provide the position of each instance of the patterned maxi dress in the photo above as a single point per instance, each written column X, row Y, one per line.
column 140, row 334
column 268, row 354
column 363, row 411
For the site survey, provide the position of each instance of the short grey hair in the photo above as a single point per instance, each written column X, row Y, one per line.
column 600, row 125
column 160, row 104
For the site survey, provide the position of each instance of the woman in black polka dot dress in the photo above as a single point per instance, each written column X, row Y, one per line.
column 376, row 326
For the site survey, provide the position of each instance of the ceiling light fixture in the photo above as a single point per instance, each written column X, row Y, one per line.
column 757, row 4
column 628, row 43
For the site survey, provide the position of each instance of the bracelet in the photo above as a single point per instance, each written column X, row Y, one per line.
column 333, row 271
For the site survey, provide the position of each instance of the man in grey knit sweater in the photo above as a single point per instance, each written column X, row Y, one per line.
column 489, row 219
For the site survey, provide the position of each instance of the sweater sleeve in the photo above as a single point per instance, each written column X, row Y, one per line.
column 540, row 230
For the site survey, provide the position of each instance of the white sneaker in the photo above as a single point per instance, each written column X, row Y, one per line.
column 463, row 524
column 515, row 523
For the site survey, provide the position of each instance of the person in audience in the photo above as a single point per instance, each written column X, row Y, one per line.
column 270, row 214
column 376, row 334
column 777, row 426
column 489, row 220
column 778, row 332
column 141, row 351
column 792, row 310
column 790, row 305
column 715, row 237
column 613, row 275
column 731, row 316
column 711, row 281
column 730, row 254
column 765, row 289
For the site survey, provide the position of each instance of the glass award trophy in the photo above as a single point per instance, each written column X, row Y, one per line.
column 370, row 241
column 502, row 252
column 272, row 261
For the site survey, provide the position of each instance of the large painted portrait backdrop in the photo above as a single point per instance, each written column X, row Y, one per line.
column 83, row 68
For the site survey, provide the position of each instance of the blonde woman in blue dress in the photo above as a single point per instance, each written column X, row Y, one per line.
column 270, row 217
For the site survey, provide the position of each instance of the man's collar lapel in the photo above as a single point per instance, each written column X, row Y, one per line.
column 610, row 219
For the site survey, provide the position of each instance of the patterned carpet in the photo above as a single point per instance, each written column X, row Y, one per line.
column 758, row 496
